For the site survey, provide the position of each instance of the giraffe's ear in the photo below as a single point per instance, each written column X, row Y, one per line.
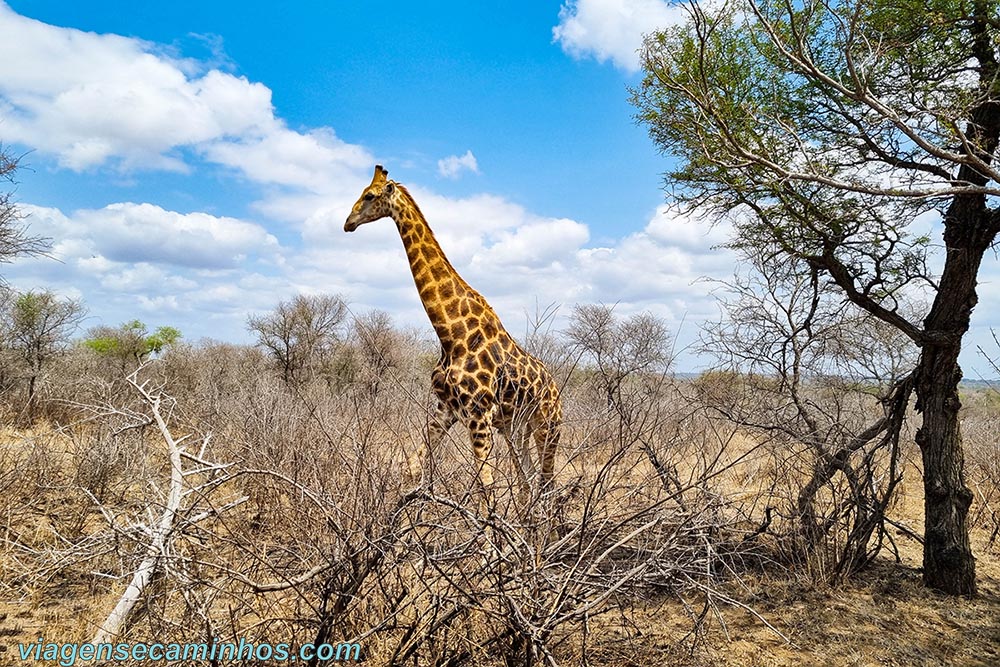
column 390, row 187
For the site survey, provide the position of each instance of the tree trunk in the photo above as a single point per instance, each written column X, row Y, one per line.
column 160, row 534
column 949, row 565
column 36, row 370
column 970, row 228
column 31, row 396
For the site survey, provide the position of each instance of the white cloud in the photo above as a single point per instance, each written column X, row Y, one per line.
column 192, row 270
column 136, row 233
column 535, row 244
column 89, row 98
column 160, row 304
column 94, row 99
column 694, row 233
column 612, row 29
column 145, row 279
column 316, row 161
column 453, row 165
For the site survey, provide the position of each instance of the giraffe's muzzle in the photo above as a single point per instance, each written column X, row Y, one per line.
column 352, row 222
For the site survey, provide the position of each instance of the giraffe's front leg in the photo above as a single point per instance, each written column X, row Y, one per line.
column 481, row 434
column 546, row 438
column 421, row 466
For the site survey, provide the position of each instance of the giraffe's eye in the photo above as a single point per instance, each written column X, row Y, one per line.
column 369, row 196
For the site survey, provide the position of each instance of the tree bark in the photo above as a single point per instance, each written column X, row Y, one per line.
column 970, row 228
column 31, row 395
column 949, row 565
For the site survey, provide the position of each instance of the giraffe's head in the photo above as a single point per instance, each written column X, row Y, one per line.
column 375, row 201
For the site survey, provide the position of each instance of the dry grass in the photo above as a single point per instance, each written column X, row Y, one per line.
column 882, row 617
column 323, row 471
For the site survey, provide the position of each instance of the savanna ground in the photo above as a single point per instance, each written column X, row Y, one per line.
column 673, row 536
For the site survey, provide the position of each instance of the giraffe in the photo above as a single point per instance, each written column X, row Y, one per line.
column 484, row 378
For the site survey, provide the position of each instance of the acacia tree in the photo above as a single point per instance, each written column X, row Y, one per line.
column 130, row 343
column 838, row 133
column 38, row 325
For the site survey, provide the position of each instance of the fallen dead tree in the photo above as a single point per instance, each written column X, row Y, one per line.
column 190, row 476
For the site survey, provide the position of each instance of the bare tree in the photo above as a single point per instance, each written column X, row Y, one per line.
column 629, row 359
column 298, row 333
column 14, row 238
column 380, row 346
column 619, row 348
column 190, row 481
column 805, row 368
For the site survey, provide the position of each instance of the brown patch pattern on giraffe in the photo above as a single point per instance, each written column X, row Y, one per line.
column 484, row 378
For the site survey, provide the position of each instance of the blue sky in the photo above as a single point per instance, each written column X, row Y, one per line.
column 194, row 161
column 414, row 86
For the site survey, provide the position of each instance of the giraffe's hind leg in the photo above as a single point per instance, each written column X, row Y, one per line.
column 546, row 434
column 481, row 434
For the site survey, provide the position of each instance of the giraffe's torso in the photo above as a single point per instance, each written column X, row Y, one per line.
column 492, row 377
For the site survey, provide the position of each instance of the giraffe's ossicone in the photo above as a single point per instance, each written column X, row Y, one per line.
column 484, row 378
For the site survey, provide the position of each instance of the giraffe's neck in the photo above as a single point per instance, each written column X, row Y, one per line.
column 447, row 298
